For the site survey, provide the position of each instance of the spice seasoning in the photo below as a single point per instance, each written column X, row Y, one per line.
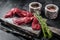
column 35, row 6
column 51, row 11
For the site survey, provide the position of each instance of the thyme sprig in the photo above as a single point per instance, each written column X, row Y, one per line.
column 45, row 29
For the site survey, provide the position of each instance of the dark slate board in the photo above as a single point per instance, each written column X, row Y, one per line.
column 26, row 29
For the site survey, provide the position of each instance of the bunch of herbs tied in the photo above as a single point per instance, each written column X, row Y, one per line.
column 45, row 29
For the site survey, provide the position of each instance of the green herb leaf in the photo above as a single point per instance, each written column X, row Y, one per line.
column 45, row 29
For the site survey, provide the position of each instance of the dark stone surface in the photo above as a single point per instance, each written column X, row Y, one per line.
column 6, row 5
column 7, row 36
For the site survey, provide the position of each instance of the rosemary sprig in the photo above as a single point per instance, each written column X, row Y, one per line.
column 45, row 29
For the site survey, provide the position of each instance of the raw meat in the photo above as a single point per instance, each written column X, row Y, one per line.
column 24, row 18
column 20, row 13
column 35, row 24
